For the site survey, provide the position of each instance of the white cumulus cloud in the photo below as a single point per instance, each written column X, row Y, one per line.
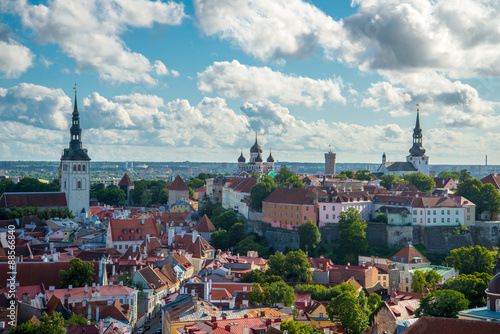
column 236, row 80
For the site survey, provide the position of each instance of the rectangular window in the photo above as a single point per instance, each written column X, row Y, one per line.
column 275, row 205
column 333, row 208
column 327, row 216
column 286, row 216
column 442, row 212
column 324, row 207
column 433, row 220
column 434, row 212
column 456, row 212
column 428, row 220
column 275, row 213
column 297, row 217
column 285, row 206
column 468, row 217
column 442, row 220
column 414, row 220
column 447, row 220
column 280, row 214
column 297, row 207
column 421, row 212
column 456, row 220
column 333, row 216
column 447, row 212
column 119, row 246
column 307, row 208
column 468, row 210
column 305, row 218
column 414, row 212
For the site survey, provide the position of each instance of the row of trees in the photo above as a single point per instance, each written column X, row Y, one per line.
column 111, row 195
column 53, row 324
column 28, row 184
column 46, row 213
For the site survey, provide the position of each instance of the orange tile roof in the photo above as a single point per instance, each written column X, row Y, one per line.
column 407, row 255
column 205, row 225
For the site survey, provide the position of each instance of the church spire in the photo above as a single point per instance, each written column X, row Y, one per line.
column 75, row 151
column 417, row 149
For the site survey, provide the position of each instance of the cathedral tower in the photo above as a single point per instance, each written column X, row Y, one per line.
column 74, row 176
column 417, row 155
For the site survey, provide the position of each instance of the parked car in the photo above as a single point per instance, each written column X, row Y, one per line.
column 158, row 331
column 141, row 331
column 147, row 327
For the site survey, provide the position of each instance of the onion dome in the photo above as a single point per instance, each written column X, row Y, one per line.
column 241, row 158
column 270, row 158
column 256, row 147
column 258, row 158
column 494, row 285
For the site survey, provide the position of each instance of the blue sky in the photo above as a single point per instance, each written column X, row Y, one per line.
column 194, row 80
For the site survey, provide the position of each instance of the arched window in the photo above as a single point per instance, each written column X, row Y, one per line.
column 74, row 168
column 79, row 168
column 83, row 168
column 79, row 184
column 497, row 305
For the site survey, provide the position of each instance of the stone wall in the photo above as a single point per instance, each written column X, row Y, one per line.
column 440, row 239
column 282, row 240
column 329, row 232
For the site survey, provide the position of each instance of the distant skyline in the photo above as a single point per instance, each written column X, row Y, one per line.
column 194, row 80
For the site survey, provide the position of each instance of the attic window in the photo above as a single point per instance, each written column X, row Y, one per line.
column 132, row 230
column 142, row 237
column 132, row 237
column 120, row 237
column 124, row 231
column 139, row 230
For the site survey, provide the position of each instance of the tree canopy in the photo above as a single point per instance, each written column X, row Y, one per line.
column 309, row 236
column 468, row 260
column 111, row 195
column 484, row 196
column 424, row 279
column 442, row 303
column 277, row 292
column 389, row 180
column 423, row 182
column 283, row 174
column 259, row 192
column 352, row 234
column 79, row 274
column 295, row 327
column 294, row 267
column 364, row 175
column 48, row 325
column 28, row 184
column 472, row 286
column 461, row 176
column 350, row 308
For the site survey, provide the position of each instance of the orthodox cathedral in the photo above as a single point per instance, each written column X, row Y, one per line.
column 74, row 171
column 416, row 162
column 256, row 163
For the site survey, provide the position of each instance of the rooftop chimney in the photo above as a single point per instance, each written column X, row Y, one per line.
column 86, row 287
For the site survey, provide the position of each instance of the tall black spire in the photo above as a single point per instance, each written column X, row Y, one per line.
column 75, row 151
column 417, row 149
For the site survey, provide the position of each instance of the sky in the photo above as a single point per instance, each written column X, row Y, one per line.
column 195, row 80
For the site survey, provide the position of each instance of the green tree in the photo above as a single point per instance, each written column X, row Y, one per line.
column 389, row 180
column 95, row 188
column 468, row 260
column 127, row 277
column 484, row 196
column 195, row 183
column 297, row 267
column 352, row 234
column 346, row 308
column 422, row 280
column 258, row 296
column 79, row 274
column 26, row 328
column 254, row 276
column 225, row 220
column 472, row 286
column 236, row 234
column 220, row 240
column 277, row 264
column 345, row 174
column 444, row 174
column 76, row 320
column 309, row 236
column 250, row 243
column 295, row 181
column 464, row 175
column 423, row 182
column 442, row 303
column 295, row 327
column 259, row 192
column 111, row 196
column 52, row 324
column 280, row 292
column 364, row 175
column 283, row 175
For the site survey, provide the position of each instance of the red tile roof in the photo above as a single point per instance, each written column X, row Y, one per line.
column 205, row 225
column 45, row 199
column 407, row 255
column 152, row 279
column 125, row 181
column 79, row 293
column 34, row 273
column 132, row 229
column 291, row 196
column 178, row 184
column 493, row 179
column 452, row 326
column 242, row 185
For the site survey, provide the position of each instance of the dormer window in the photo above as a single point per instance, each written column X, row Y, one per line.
column 132, row 230
column 139, row 230
column 120, row 238
column 132, row 237
column 124, row 231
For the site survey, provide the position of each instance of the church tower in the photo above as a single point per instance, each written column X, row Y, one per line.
column 417, row 155
column 74, row 176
